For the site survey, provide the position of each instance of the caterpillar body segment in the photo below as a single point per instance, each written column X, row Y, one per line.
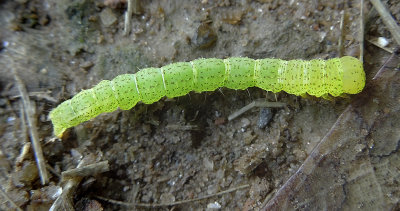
column 299, row 77
column 209, row 74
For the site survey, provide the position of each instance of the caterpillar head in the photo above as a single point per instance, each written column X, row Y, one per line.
column 57, row 118
column 353, row 75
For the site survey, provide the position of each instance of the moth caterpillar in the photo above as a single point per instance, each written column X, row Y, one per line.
column 315, row 77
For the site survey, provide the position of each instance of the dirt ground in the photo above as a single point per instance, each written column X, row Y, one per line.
column 313, row 154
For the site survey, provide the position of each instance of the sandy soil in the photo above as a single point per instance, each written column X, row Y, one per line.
column 314, row 154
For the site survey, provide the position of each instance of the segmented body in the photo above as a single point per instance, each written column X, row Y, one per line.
column 314, row 77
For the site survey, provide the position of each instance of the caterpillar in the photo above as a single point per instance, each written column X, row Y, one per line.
column 316, row 77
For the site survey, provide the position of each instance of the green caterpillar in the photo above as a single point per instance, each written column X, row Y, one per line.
column 316, row 77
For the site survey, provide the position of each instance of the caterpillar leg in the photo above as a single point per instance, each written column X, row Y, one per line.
column 328, row 97
column 305, row 95
column 345, row 96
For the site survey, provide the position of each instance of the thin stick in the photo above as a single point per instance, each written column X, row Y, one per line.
column 4, row 194
column 268, row 197
column 172, row 203
column 128, row 15
column 323, row 148
column 181, row 127
column 256, row 103
column 342, row 34
column 41, row 95
column 381, row 47
column 387, row 19
column 88, row 170
column 381, row 69
column 30, row 115
column 362, row 30
column 64, row 200
column 24, row 130
column 53, row 171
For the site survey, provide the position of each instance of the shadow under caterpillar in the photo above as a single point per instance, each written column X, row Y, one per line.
column 316, row 77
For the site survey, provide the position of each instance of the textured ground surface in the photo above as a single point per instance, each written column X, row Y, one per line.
column 178, row 149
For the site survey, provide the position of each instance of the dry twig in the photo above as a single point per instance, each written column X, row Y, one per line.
column 387, row 19
column 342, row 33
column 256, row 103
column 4, row 194
column 362, row 30
column 182, row 127
column 30, row 115
column 383, row 67
column 91, row 169
column 172, row 203
column 373, row 42
column 40, row 95
column 24, row 134
column 128, row 16
column 84, row 168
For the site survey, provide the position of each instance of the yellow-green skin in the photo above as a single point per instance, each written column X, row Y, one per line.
column 315, row 77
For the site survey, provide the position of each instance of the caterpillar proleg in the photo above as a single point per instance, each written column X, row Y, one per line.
column 315, row 77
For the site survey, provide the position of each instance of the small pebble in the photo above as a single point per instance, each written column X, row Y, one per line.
column 86, row 65
column 10, row 119
column 300, row 154
column 214, row 205
column 220, row 121
column 205, row 37
column 264, row 117
column 93, row 205
column 383, row 42
column 208, row 164
column 107, row 17
column 359, row 148
column 28, row 173
column 3, row 102
column 245, row 122
column 167, row 198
